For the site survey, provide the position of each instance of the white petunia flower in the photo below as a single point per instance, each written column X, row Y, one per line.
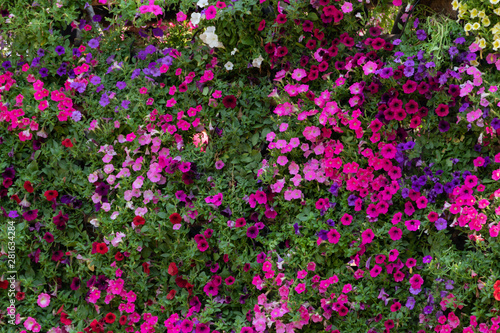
column 229, row 65
column 202, row 3
column 209, row 37
column 195, row 18
column 257, row 61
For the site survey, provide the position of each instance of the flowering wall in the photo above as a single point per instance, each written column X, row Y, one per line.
column 249, row 166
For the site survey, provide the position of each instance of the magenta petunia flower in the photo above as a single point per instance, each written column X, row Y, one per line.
column 367, row 236
column 333, row 236
column 252, row 232
column 219, row 165
column 210, row 13
column 395, row 233
column 30, row 215
column 300, row 288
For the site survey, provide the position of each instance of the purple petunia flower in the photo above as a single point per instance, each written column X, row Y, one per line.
column 40, row 52
column 440, row 224
column 323, row 234
column 409, row 145
column 415, row 291
column 104, row 100
column 449, row 284
column 150, row 49
column 125, row 104
column 142, row 55
column 415, row 23
column 408, row 71
column 35, row 62
column 453, row 51
column 495, row 123
column 351, row 200
column 61, row 71
column 410, row 303
column 421, row 34
column 135, row 73
column 76, row 115
column 296, row 227
column 121, row 85
column 13, row 214
column 95, row 80
column 443, row 126
column 471, row 56
column 60, row 50
column 44, row 72
column 334, row 189
column 427, row 259
column 93, row 43
column 386, row 72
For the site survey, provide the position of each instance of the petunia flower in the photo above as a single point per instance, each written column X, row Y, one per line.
column 30, row 215
column 440, row 224
column 300, row 288
column 229, row 101
column 43, row 300
column 252, row 232
column 51, row 194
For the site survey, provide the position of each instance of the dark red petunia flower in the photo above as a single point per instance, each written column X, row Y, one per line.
column 110, row 318
column 146, row 266
column 60, row 220
column 51, row 194
column 20, row 295
column 172, row 269
column 139, row 220
column 229, row 101
column 67, row 143
column 75, row 284
column 175, row 218
column 64, row 319
column 171, row 294
column 28, row 187
column 123, row 320
column 101, row 248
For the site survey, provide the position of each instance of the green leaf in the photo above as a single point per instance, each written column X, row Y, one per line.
column 312, row 16
column 248, row 40
column 255, row 139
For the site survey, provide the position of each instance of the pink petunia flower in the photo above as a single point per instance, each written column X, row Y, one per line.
column 43, row 300
column 300, row 288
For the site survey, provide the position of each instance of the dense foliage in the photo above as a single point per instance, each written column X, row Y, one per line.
column 249, row 166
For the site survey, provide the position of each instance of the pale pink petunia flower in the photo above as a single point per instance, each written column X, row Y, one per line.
column 347, row 7
column 43, row 300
